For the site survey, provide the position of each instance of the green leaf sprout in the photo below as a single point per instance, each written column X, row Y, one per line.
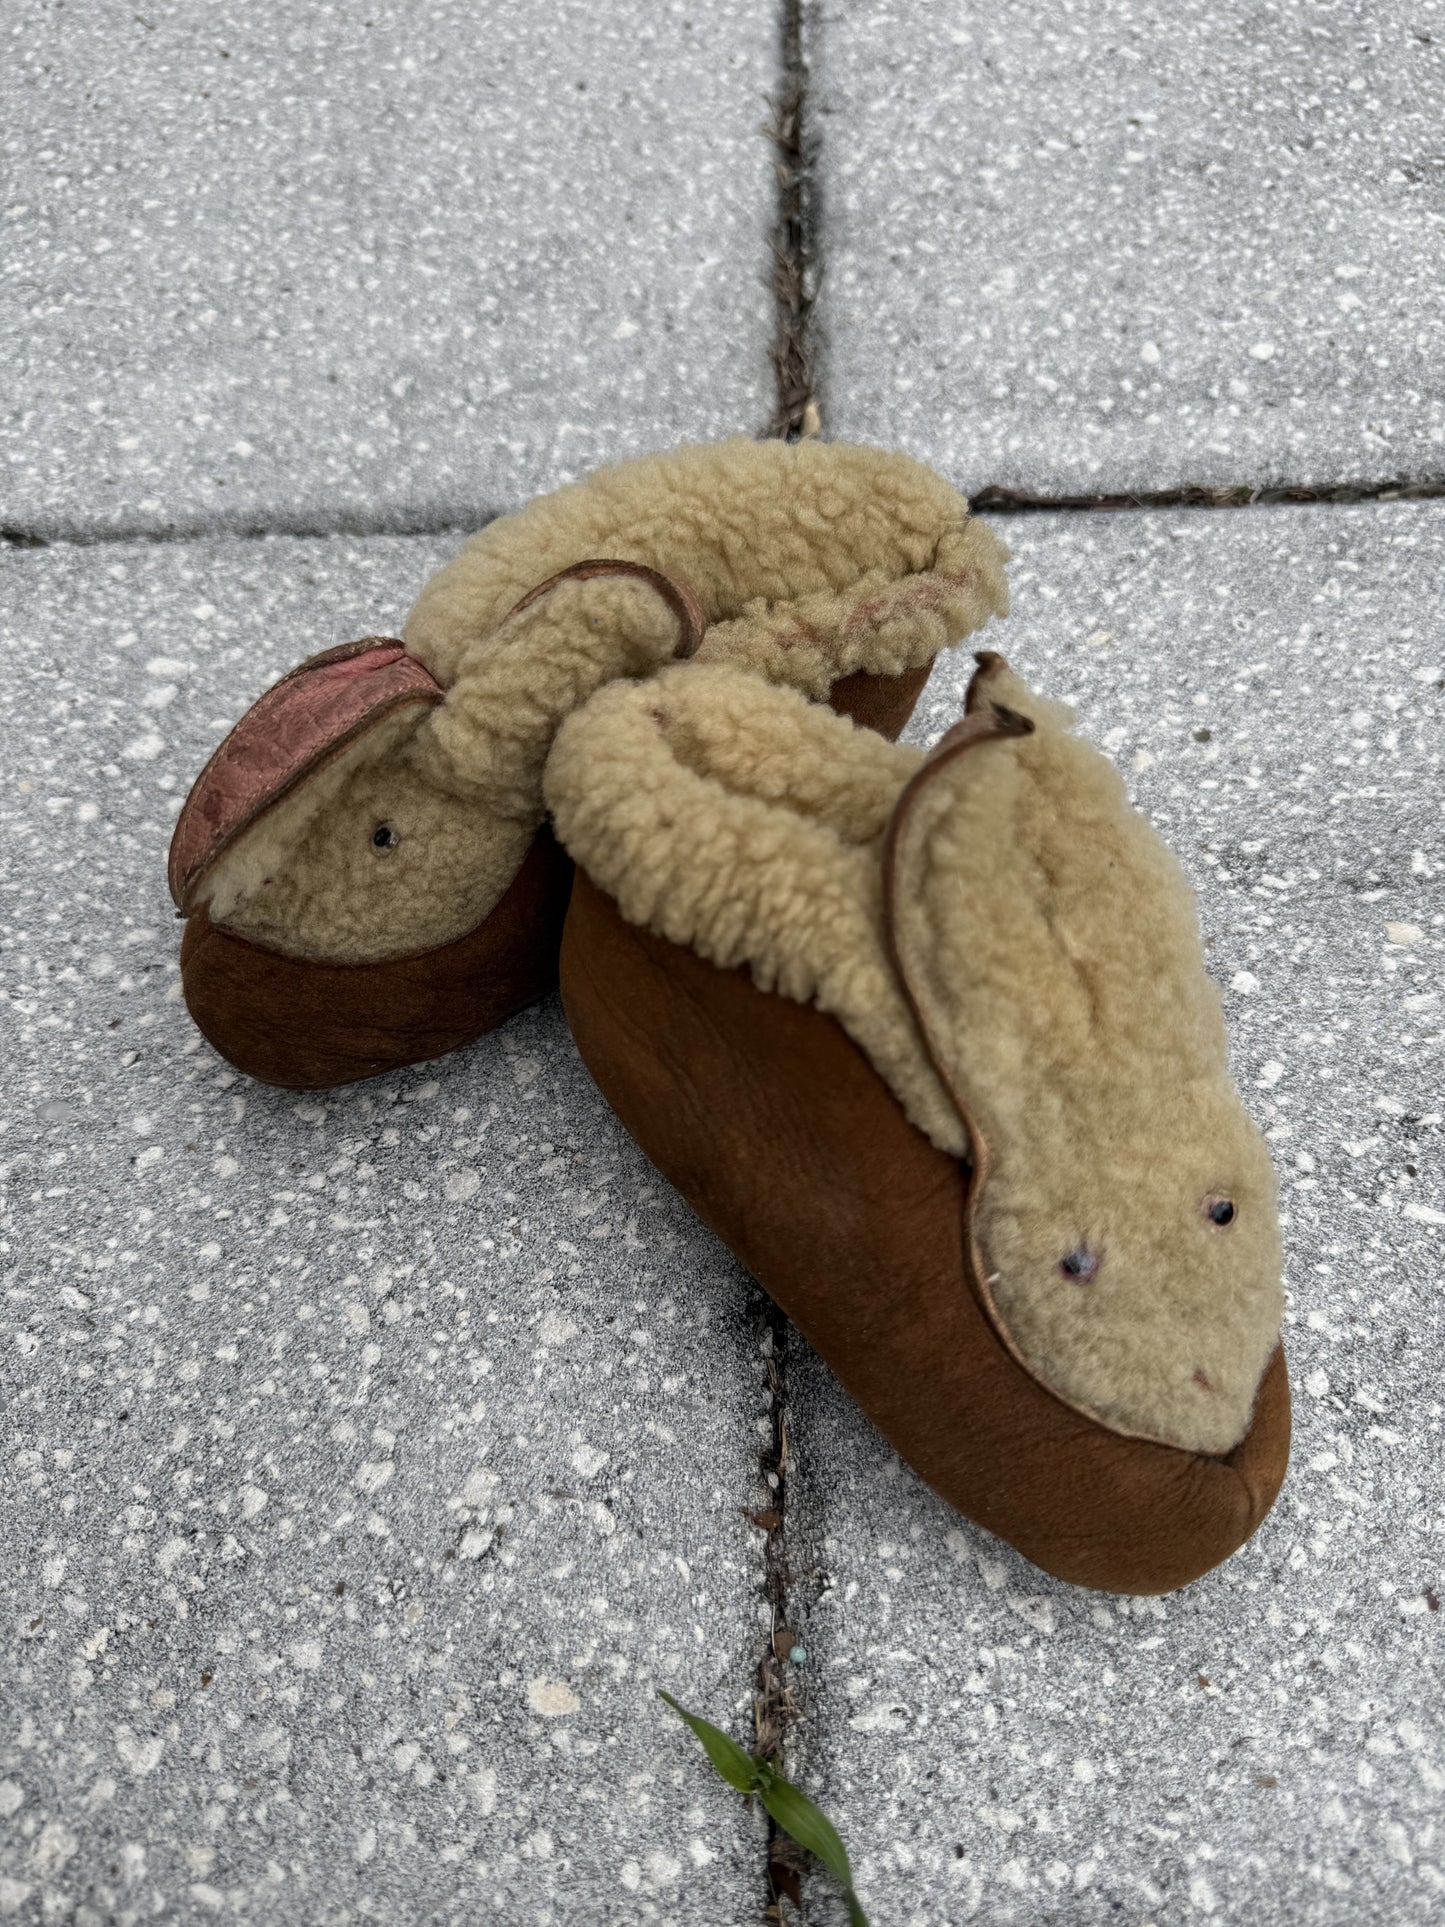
column 793, row 1811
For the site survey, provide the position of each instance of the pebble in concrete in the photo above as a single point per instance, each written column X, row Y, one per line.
column 387, row 267
column 1131, row 246
column 1267, row 1744
column 370, row 1456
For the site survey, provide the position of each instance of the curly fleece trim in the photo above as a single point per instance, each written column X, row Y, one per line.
column 1052, row 945
column 747, row 823
column 811, row 560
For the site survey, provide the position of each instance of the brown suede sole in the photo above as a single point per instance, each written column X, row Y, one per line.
column 776, row 1129
column 309, row 1026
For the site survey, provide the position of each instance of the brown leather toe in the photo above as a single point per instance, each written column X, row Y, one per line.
column 306, row 1025
column 774, row 1126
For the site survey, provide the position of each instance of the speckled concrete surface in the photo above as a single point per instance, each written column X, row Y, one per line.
column 368, row 1457
column 1268, row 1744
column 1134, row 243
column 380, row 265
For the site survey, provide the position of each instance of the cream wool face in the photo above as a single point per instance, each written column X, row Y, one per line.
column 1107, row 1271
column 381, row 846
column 1018, row 955
column 1126, row 1224
column 410, row 837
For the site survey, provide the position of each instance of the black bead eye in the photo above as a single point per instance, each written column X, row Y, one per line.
column 1079, row 1265
column 1220, row 1211
column 384, row 837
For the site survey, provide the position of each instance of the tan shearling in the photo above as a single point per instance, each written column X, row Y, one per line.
column 1050, row 944
column 811, row 560
column 745, row 822
column 458, row 785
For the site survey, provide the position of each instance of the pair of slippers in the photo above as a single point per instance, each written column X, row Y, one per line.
column 926, row 1039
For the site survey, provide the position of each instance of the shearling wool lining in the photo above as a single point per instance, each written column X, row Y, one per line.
column 1049, row 944
column 810, row 560
column 745, row 822
column 813, row 565
column 456, row 787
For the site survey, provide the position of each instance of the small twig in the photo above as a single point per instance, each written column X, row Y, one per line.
column 794, row 267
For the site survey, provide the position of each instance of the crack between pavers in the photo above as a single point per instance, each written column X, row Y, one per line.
column 319, row 527
column 775, row 1707
column 997, row 499
column 795, row 262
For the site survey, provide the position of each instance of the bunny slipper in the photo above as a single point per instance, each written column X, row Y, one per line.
column 363, row 864
column 930, row 1044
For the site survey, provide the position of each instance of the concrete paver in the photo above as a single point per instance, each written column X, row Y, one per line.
column 379, row 266
column 1134, row 245
column 369, row 1456
column 1267, row 1744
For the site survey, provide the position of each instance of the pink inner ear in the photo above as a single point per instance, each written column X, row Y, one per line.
column 299, row 726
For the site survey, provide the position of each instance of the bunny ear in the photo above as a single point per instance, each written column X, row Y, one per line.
column 1032, row 912
column 301, row 724
column 909, row 915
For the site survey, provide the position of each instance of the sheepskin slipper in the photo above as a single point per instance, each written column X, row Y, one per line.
column 930, row 1044
column 363, row 864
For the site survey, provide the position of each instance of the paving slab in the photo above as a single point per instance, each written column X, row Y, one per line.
column 1132, row 246
column 375, row 266
column 370, row 1457
column 1267, row 1744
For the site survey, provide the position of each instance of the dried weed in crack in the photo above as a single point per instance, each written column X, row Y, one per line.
column 322, row 526
column 795, row 418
